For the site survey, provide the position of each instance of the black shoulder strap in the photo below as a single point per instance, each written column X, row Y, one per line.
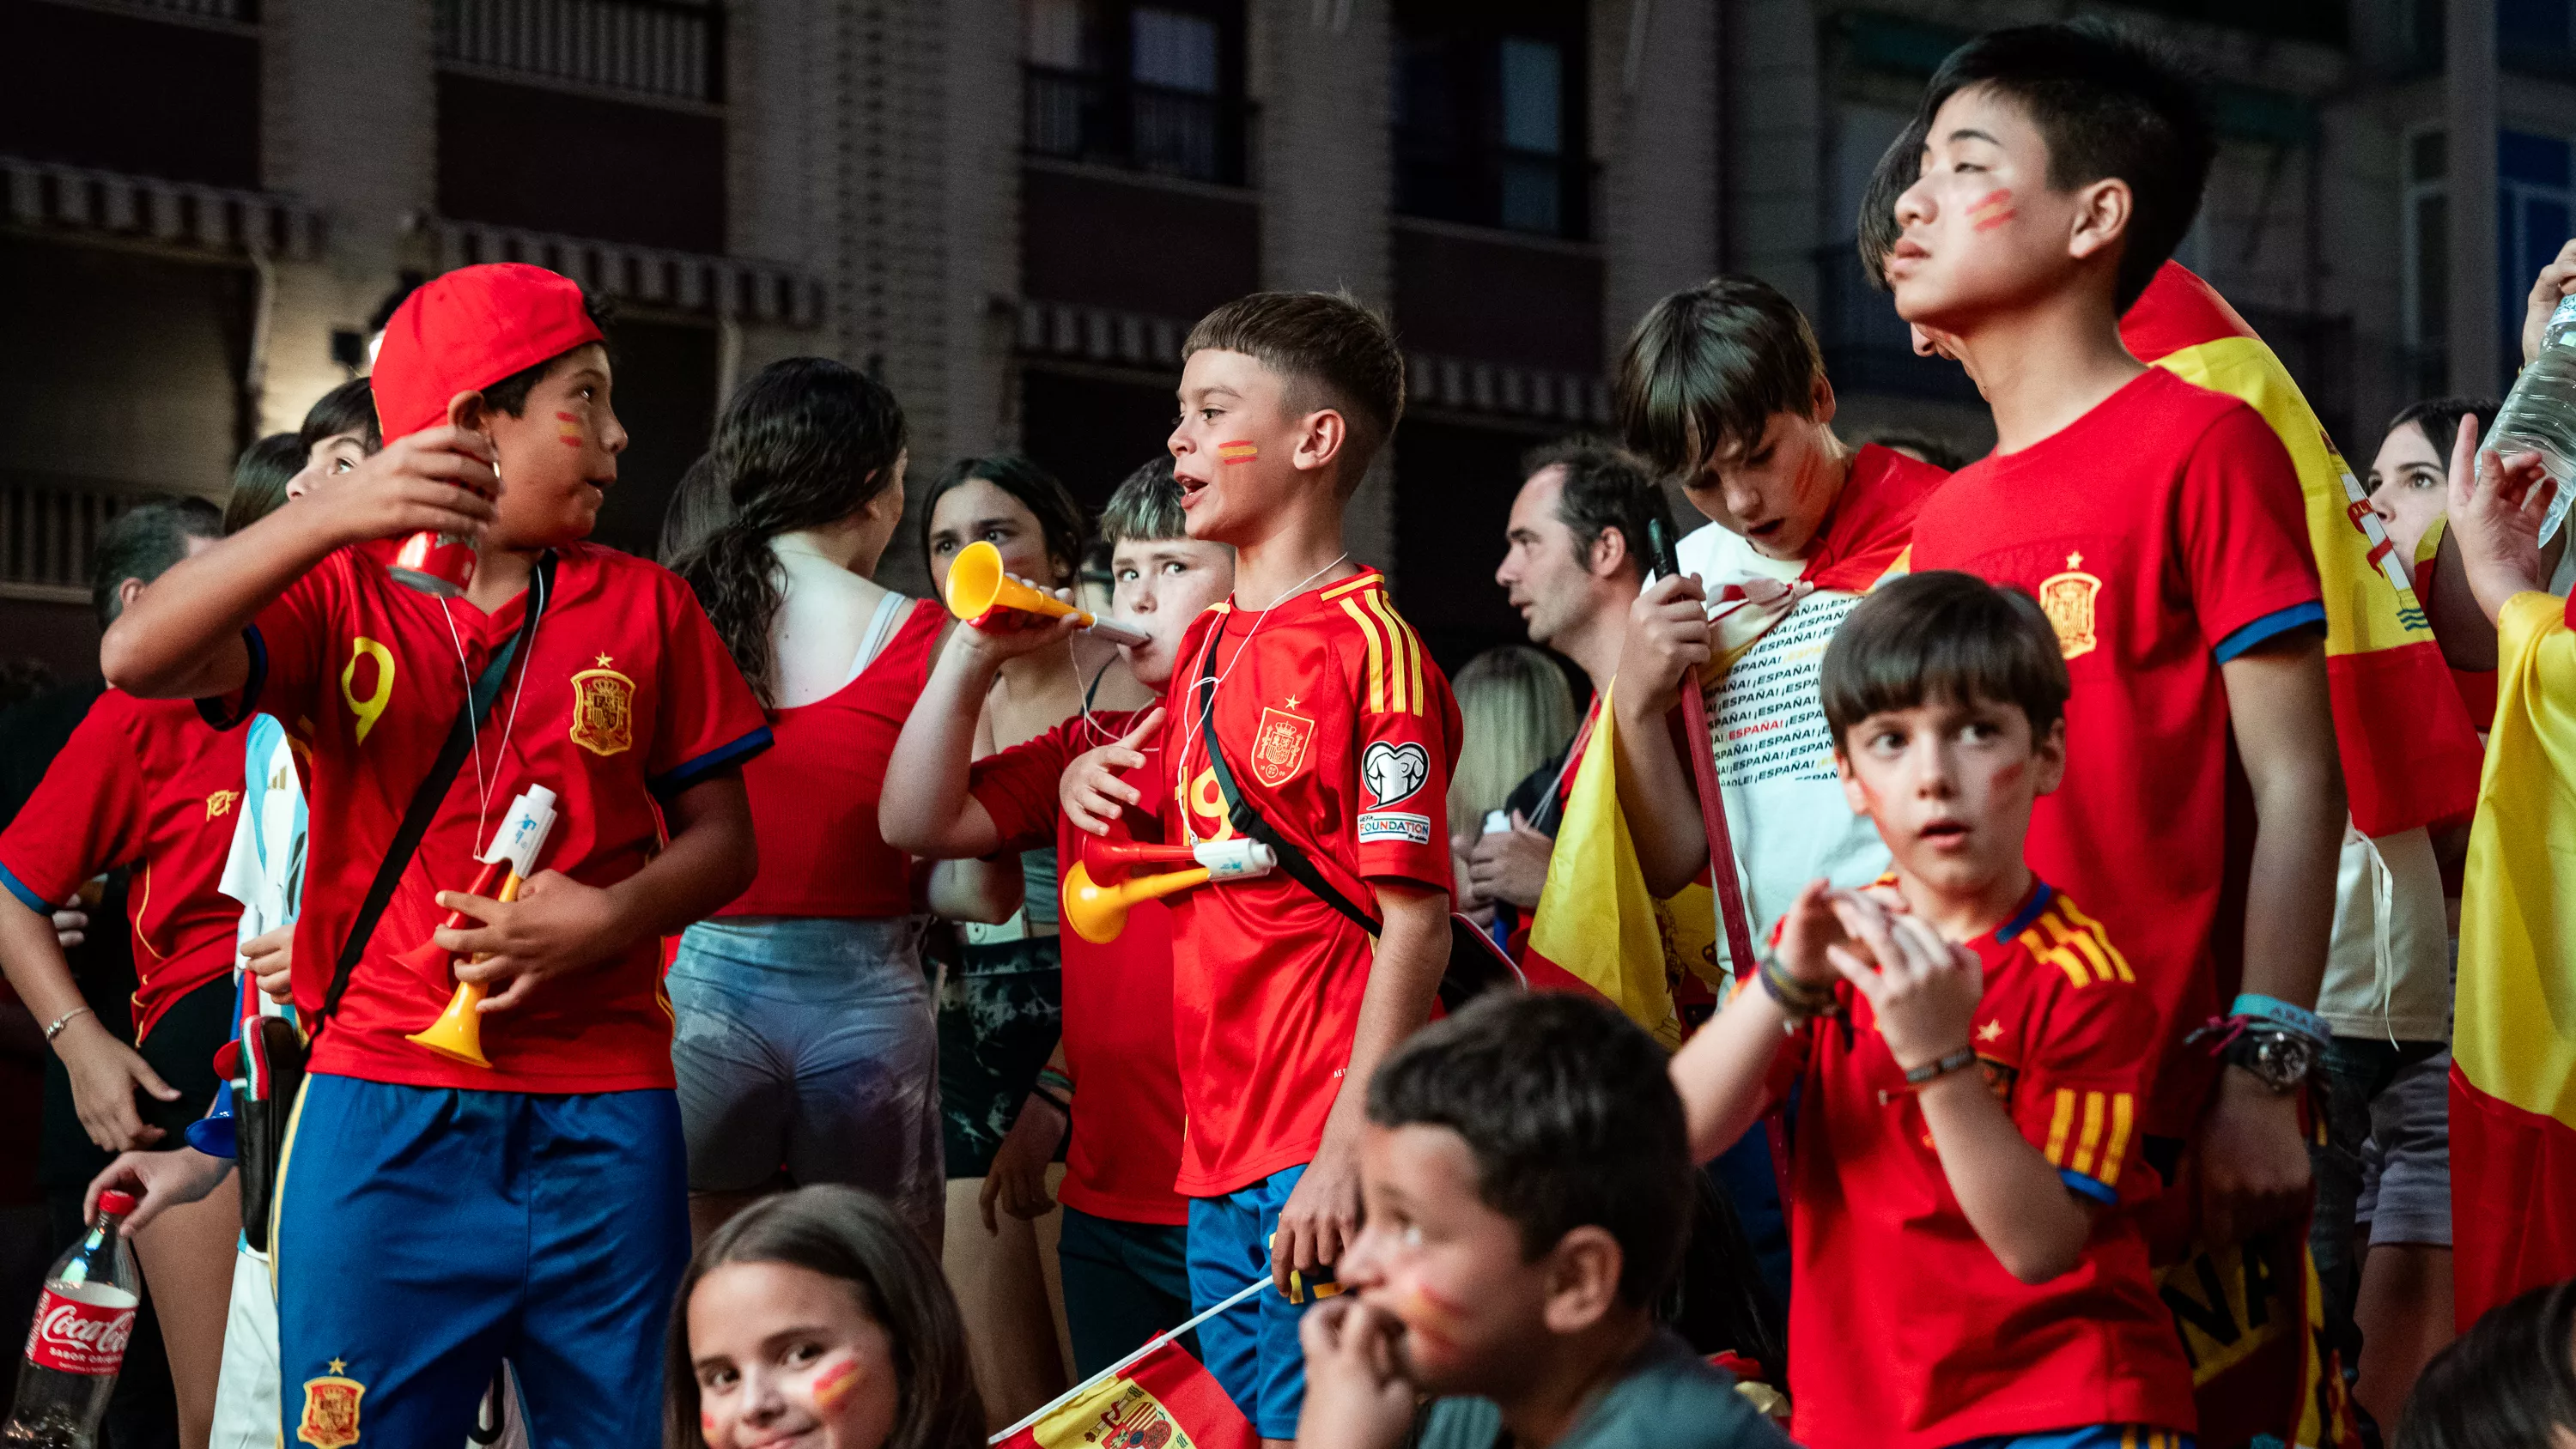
column 1239, row 810
column 431, row 793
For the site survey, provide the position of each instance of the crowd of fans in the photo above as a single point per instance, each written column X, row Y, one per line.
column 1929, row 952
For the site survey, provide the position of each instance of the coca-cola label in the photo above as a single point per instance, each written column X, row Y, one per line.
column 79, row 1337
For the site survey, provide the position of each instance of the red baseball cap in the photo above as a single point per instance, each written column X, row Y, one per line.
column 469, row 329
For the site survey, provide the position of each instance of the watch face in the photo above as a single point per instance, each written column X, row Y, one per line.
column 2283, row 1060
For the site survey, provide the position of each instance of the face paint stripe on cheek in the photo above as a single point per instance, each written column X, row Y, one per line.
column 1992, row 209
column 835, row 1383
column 1241, row 450
column 568, row 430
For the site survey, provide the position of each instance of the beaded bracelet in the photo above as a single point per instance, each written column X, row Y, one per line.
column 1957, row 1061
column 1800, row 1000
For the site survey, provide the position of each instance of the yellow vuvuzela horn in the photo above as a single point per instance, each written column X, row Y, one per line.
column 1098, row 912
column 977, row 586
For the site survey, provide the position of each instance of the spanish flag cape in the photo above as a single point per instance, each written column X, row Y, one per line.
column 1597, row 927
column 1161, row 1398
column 2513, row 1048
column 2410, row 753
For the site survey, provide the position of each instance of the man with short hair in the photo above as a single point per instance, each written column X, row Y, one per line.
column 1578, row 555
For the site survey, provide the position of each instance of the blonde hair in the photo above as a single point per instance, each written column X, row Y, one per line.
column 1517, row 712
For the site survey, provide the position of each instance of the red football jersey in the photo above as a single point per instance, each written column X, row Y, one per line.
column 814, row 792
column 2164, row 533
column 1341, row 732
column 1904, row 1328
column 145, row 783
column 623, row 696
column 1126, row 1147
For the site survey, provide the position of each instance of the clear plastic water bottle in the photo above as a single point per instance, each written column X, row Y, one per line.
column 2539, row 415
column 77, row 1343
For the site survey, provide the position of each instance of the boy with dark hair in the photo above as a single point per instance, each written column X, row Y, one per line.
column 435, row 1216
column 340, row 431
column 145, row 786
column 1304, row 712
column 1529, row 1195
column 2163, row 528
column 1110, row 1095
column 1723, row 387
column 1968, row 1053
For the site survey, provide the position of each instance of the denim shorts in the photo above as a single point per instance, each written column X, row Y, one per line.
column 809, row 1044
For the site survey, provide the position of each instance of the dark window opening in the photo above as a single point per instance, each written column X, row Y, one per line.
column 1489, row 116
column 1145, row 87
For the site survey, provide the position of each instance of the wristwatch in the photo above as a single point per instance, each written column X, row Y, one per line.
column 2280, row 1060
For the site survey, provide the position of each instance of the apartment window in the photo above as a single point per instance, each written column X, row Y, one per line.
column 1489, row 116
column 2535, row 202
column 1155, row 88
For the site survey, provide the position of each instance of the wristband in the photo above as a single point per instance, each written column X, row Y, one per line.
column 1957, row 1061
column 1055, row 1081
column 2272, row 1011
column 56, row 1028
column 1800, row 1000
column 1061, row 1104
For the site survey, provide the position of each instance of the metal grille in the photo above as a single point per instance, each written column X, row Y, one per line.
column 246, row 11
column 47, row 536
column 671, row 49
column 1114, row 122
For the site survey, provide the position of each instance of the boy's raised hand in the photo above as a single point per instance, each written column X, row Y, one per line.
column 1357, row 1396
column 2496, row 506
column 1922, row 989
column 439, row 480
column 1807, row 931
column 1009, row 633
column 1667, row 634
column 1091, row 791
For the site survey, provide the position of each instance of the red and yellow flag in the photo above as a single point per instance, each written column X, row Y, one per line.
column 2410, row 754
column 2513, row 1047
column 1163, row 1400
column 1596, row 925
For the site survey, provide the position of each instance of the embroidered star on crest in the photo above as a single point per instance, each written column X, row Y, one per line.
column 337, row 1365
column 2074, row 560
column 1292, row 701
column 1990, row 1031
column 603, row 661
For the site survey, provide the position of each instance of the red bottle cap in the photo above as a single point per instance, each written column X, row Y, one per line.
column 113, row 1201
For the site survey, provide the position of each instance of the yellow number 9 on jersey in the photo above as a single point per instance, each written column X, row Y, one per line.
column 372, row 707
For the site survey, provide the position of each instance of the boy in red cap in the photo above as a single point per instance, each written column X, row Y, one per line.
column 433, row 1216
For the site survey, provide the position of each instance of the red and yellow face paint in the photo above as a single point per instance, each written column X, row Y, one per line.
column 833, row 1385
column 568, row 430
column 1241, row 450
column 1992, row 209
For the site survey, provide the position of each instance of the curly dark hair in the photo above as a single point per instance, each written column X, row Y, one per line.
column 803, row 442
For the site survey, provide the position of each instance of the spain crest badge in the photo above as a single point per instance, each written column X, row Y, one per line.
column 2068, row 599
column 603, row 709
column 1279, row 746
column 330, row 1410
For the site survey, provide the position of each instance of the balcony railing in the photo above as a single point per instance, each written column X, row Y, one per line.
column 46, row 538
column 1108, row 121
column 667, row 49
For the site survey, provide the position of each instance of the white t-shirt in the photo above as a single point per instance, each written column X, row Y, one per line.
column 1775, row 764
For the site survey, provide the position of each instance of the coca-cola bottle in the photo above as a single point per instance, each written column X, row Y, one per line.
column 78, row 1341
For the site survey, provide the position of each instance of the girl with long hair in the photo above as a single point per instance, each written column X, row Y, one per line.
column 1000, row 1004
column 805, row 1034
column 818, row 1319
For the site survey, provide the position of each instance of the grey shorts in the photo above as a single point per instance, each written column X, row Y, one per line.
column 810, row 1045
column 2406, row 1168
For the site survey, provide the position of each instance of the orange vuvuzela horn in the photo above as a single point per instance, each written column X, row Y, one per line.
column 977, row 586
column 1098, row 912
column 458, row 1033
